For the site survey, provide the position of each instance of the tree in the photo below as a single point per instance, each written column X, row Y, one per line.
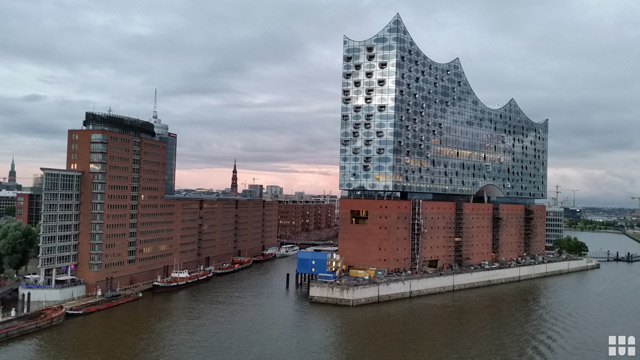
column 10, row 211
column 17, row 241
column 570, row 245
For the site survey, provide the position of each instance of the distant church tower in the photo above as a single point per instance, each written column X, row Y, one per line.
column 234, row 179
column 12, row 172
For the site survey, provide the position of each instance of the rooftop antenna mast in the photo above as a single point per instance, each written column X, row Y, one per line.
column 155, row 104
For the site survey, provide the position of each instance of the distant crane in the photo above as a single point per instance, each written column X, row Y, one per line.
column 574, row 196
column 558, row 192
column 254, row 179
column 244, row 185
column 637, row 198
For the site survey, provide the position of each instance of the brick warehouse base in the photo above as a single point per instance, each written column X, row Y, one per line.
column 381, row 233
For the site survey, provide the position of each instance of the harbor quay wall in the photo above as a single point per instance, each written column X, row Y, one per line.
column 391, row 289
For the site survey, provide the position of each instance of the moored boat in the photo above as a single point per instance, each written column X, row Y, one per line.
column 181, row 278
column 101, row 305
column 287, row 250
column 266, row 255
column 237, row 263
column 28, row 323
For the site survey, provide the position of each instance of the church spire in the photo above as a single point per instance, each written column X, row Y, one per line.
column 12, row 172
column 234, row 179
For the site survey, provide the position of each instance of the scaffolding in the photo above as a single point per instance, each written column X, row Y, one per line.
column 458, row 233
column 416, row 233
column 529, row 231
column 497, row 224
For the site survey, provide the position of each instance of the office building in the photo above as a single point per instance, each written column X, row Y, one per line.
column 171, row 141
column 29, row 207
column 60, row 229
column 123, row 229
column 255, row 191
column 555, row 225
column 274, row 191
column 433, row 177
column 7, row 199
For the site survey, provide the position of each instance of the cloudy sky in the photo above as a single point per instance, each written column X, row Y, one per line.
column 260, row 81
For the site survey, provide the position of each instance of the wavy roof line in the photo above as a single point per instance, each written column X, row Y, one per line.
column 512, row 102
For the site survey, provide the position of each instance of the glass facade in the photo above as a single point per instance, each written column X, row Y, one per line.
column 555, row 225
column 60, row 219
column 412, row 125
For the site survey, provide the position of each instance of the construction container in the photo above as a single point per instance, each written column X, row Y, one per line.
column 381, row 272
column 355, row 272
column 371, row 272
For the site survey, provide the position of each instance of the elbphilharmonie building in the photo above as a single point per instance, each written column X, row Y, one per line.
column 415, row 127
column 432, row 177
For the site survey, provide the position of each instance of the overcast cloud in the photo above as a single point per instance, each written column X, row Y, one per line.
column 260, row 81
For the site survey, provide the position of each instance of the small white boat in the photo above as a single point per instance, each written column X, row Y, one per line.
column 287, row 250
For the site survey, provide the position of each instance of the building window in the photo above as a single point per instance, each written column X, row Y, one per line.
column 96, row 167
column 98, row 147
column 359, row 217
column 98, row 138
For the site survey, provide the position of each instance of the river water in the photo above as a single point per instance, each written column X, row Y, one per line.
column 250, row 315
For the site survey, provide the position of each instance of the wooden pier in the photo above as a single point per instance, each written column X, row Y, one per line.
column 608, row 255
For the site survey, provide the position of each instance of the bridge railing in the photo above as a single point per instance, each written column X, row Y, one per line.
column 612, row 255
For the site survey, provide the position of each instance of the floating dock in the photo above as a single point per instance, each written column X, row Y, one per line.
column 391, row 288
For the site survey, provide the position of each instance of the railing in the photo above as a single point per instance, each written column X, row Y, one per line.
column 608, row 255
column 42, row 286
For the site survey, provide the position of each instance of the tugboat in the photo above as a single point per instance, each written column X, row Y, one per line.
column 237, row 263
column 181, row 278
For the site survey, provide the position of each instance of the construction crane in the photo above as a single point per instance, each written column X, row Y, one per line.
column 244, row 185
column 557, row 198
column 574, row 196
column 637, row 198
column 254, row 179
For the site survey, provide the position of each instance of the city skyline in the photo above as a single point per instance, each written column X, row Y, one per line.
column 267, row 97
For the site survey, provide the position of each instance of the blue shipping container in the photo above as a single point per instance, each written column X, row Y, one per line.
column 312, row 262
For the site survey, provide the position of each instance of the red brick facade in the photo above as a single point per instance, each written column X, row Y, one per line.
column 378, row 232
column 306, row 221
column 131, row 232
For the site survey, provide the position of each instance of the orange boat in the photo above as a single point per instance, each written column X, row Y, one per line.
column 237, row 263
column 266, row 255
